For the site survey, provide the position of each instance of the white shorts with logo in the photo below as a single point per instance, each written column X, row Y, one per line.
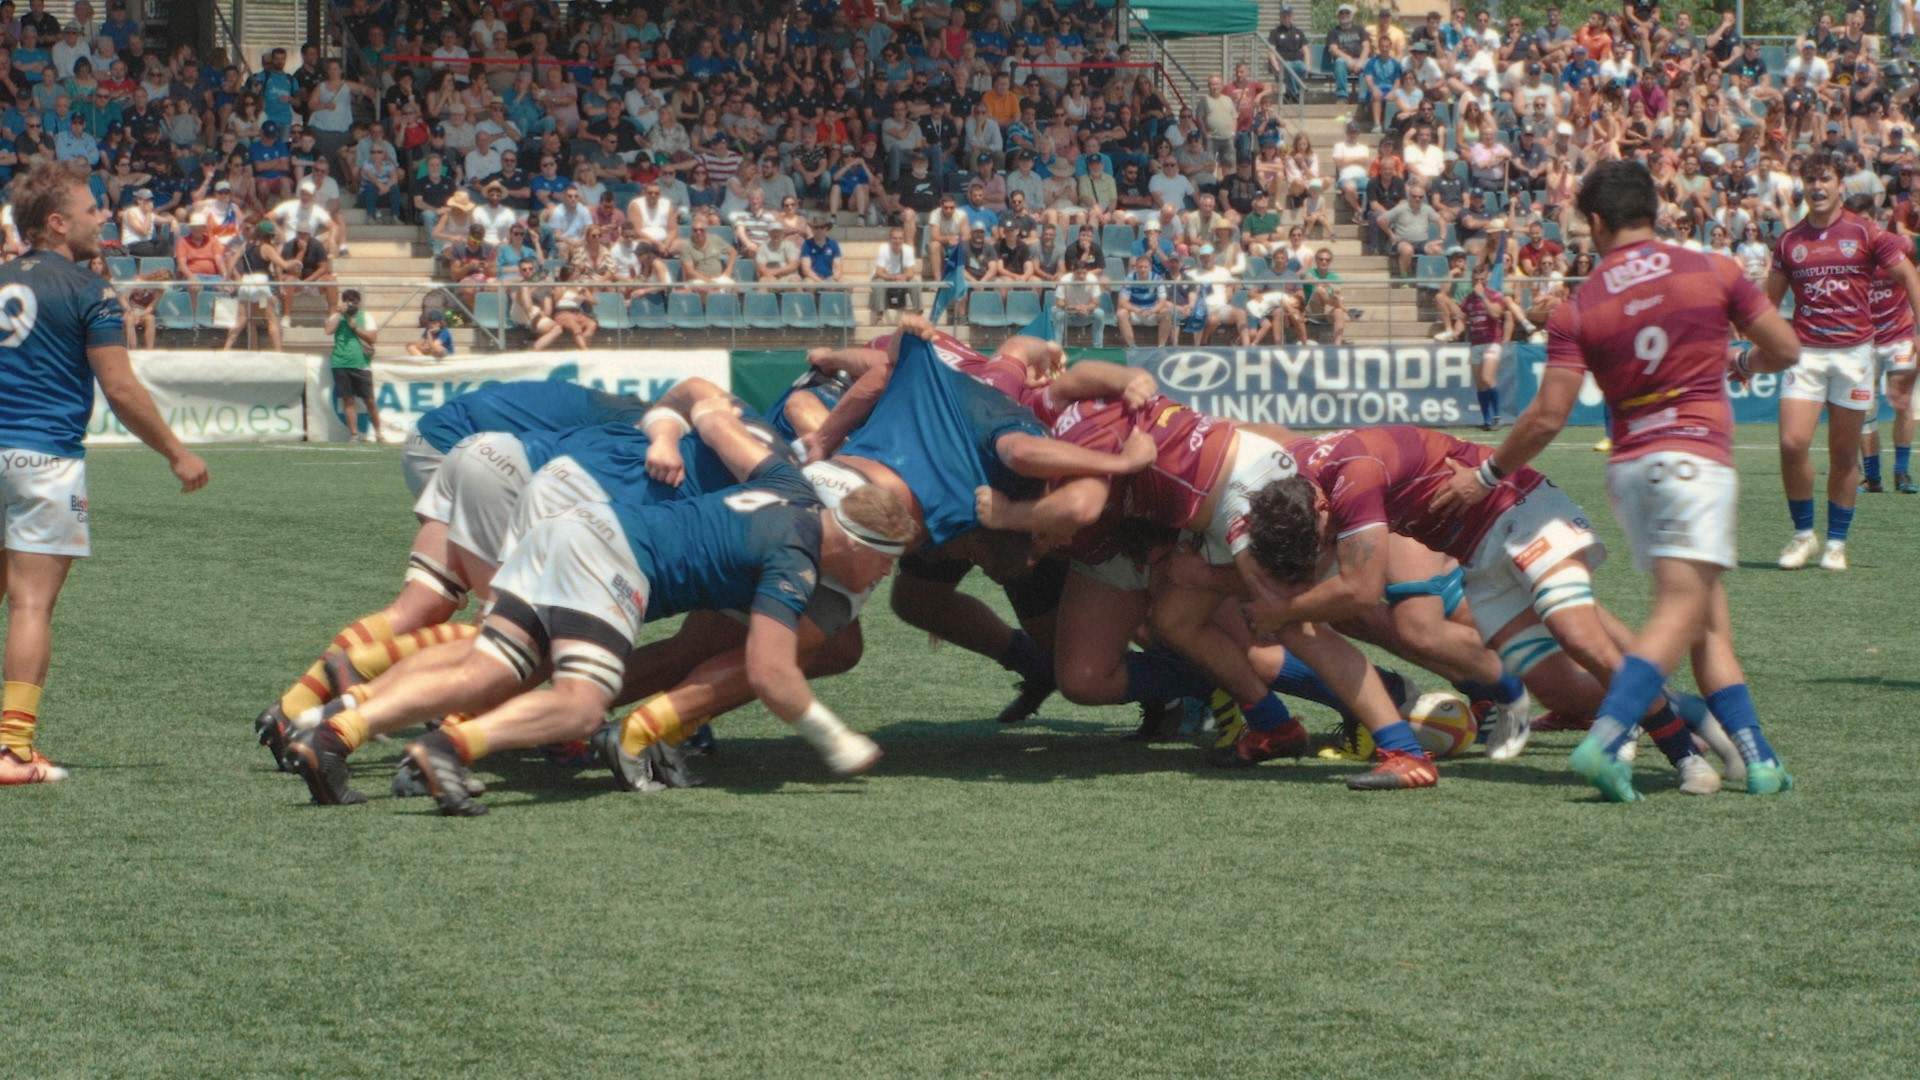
column 418, row 461
column 1120, row 572
column 1893, row 358
column 1839, row 377
column 476, row 491
column 1675, row 505
column 560, row 484
column 578, row 560
column 44, row 500
column 1538, row 533
column 1257, row 462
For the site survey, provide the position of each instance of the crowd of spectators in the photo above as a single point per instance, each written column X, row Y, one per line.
column 644, row 149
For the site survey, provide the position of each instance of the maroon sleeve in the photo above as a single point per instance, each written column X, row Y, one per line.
column 1563, row 338
column 1888, row 250
column 1745, row 301
column 1356, row 488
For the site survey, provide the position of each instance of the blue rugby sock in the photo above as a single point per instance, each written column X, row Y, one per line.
column 1839, row 520
column 1158, row 675
column 1903, row 461
column 1268, row 714
column 1801, row 510
column 1398, row 736
column 1025, row 657
column 1299, row 680
column 1734, row 708
column 1485, row 398
column 1493, row 405
column 1670, row 734
column 1630, row 693
column 1870, row 464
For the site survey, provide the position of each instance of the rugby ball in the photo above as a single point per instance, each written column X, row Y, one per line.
column 1442, row 721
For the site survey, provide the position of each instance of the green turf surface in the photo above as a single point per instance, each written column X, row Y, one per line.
column 1044, row 900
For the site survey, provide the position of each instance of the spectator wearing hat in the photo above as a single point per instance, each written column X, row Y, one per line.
column 1287, row 45
column 308, row 263
column 1347, row 49
column 144, row 230
column 779, row 258
column 853, row 186
column 453, row 222
column 494, row 216
column 1378, row 78
column 436, row 341
column 472, row 262
column 272, row 163
column 820, row 255
column 75, row 144
column 198, row 256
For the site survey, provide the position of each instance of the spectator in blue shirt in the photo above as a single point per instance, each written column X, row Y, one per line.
column 820, row 254
column 272, row 163
column 1580, row 70
column 979, row 214
column 436, row 341
column 1379, row 76
column 1142, row 301
column 276, row 88
column 75, row 144
column 121, row 28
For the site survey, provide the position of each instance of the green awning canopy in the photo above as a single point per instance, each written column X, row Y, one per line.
column 1188, row 18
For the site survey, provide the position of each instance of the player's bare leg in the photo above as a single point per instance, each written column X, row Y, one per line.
column 30, row 583
column 423, row 688
column 1798, row 422
column 1352, row 677
column 1096, row 628
column 1182, row 618
column 1900, row 399
column 569, row 709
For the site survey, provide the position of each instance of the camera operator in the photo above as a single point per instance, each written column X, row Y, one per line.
column 353, row 337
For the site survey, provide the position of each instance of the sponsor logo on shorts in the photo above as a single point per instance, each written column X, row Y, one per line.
column 1860, row 393
column 26, row 459
column 500, row 460
column 628, row 597
column 1532, row 552
column 78, row 504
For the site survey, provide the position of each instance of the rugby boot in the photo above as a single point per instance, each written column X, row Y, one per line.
column 1159, row 721
column 35, row 769
column 1834, row 555
column 1799, row 551
column 319, row 755
column 408, row 784
column 1027, row 701
column 1611, row 775
column 1397, row 771
column 274, row 729
column 1904, row 484
column 444, row 774
column 1768, row 778
column 1253, row 747
column 1511, row 725
column 1697, row 777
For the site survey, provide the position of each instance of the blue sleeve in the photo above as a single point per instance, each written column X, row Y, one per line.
column 781, row 477
column 103, row 318
column 790, row 571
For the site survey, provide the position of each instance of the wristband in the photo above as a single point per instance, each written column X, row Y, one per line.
column 1488, row 475
column 1741, row 363
column 703, row 409
column 661, row 412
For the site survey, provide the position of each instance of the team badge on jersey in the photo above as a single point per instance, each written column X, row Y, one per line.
column 1849, row 248
column 1799, row 252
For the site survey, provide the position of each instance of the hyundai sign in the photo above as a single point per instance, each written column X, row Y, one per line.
column 1314, row 386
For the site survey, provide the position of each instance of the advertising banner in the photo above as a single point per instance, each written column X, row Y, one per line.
column 1315, row 386
column 405, row 387
column 216, row 397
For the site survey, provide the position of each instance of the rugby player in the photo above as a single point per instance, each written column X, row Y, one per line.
column 1893, row 361
column 1490, row 319
column 1651, row 324
column 1830, row 260
column 60, row 331
column 1526, row 549
column 577, row 587
column 438, row 577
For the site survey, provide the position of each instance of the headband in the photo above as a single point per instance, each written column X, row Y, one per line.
column 866, row 537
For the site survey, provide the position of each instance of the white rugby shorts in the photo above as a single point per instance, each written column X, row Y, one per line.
column 1115, row 572
column 1537, row 534
column 1842, row 378
column 44, row 498
column 486, row 475
column 1675, row 505
column 418, row 461
column 1257, row 462
column 578, row 560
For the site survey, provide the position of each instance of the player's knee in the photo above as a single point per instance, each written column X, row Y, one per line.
column 1796, row 444
column 1083, row 681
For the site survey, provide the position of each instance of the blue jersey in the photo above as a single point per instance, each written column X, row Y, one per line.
column 615, row 455
column 51, row 312
column 936, row 428
column 519, row 407
column 754, row 545
column 826, row 389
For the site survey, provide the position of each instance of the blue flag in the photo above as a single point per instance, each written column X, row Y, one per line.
column 954, row 288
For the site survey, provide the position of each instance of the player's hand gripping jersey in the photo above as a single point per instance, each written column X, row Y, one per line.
column 1191, row 452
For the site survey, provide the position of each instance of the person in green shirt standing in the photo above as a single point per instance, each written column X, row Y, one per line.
column 352, row 361
column 1323, row 300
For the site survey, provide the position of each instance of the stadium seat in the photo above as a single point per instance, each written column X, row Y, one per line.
column 1116, row 237
column 174, row 311
column 744, row 270
column 723, row 310
column 1022, row 307
column 150, row 263
column 797, row 310
column 1550, row 230
column 109, row 233
column 610, row 311
column 985, row 308
column 763, row 311
column 122, row 267
column 649, row 313
column 1116, row 267
column 490, row 311
column 723, row 232
column 1108, row 314
column 685, row 312
column 203, row 309
column 1258, row 267
column 1428, row 267
column 836, row 311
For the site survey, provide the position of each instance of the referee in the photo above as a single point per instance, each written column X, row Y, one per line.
column 60, row 330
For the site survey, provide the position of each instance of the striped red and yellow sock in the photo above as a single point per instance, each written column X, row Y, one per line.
column 352, row 729
column 468, row 741
column 653, row 720
column 307, row 691
column 19, row 717
column 365, row 631
column 373, row 659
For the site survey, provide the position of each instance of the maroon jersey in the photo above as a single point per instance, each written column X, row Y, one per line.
column 1003, row 373
column 1192, row 453
column 1832, row 271
column 1892, row 311
column 1652, row 325
column 1486, row 318
column 1387, row 476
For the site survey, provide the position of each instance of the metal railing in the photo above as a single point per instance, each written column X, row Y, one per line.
column 1408, row 313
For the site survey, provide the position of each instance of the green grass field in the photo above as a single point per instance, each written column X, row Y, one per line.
column 1037, row 901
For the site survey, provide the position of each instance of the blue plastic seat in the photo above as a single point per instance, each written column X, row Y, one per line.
column 174, row 311
column 648, row 313
column 985, row 308
column 723, row 310
column 762, row 311
column 1022, row 307
column 122, row 267
column 1116, row 237
column 744, row 270
column 685, row 312
column 836, row 310
column 610, row 311
column 203, row 310
column 490, row 311
column 798, row 311
column 150, row 263
column 1116, row 267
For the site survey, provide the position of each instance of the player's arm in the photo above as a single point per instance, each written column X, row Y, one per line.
column 113, row 367
column 711, row 412
column 856, row 361
column 773, row 668
column 1902, row 271
column 1775, row 346
column 1533, row 432
column 1042, row 458
column 1053, row 518
column 1360, row 585
column 1098, row 378
column 1776, row 286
